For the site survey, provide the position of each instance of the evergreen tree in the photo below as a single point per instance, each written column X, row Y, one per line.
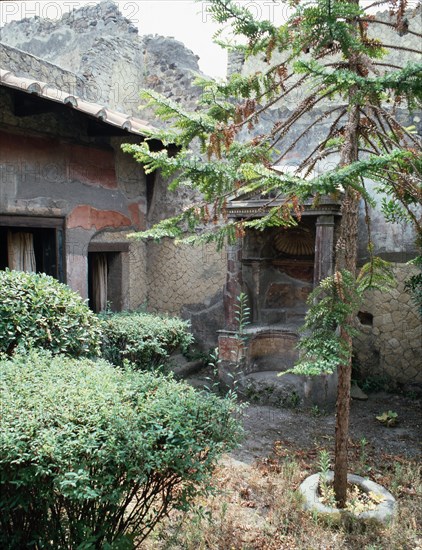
column 325, row 52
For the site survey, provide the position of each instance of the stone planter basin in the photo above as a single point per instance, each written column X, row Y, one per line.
column 382, row 514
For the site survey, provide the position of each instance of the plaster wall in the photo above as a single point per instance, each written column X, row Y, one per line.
column 101, row 53
column 51, row 167
column 102, row 56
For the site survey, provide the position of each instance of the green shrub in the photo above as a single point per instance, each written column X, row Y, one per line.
column 38, row 311
column 144, row 339
column 92, row 455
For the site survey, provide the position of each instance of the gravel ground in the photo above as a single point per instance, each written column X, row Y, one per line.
column 303, row 429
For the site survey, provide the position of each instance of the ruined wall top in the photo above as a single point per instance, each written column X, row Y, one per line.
column 47, row 39
column 103, row 49
column 30, row 66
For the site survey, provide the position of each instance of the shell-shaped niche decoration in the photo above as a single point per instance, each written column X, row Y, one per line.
column 295, row 242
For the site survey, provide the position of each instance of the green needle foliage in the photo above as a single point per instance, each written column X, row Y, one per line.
column 331, row 305
column 325, row 60
column 323, row 54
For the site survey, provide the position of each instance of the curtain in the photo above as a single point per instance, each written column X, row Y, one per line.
column 99, row 281
column 20, row 250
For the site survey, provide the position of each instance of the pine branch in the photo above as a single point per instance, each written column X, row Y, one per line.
column 376, row 4
column 405, row 80
column 387, row 115
column 388, row 24
column 273, row 102
column 307, row 104
column 390, row 65
column 330, row 134
column 326, row 114
column 244, row 167
column 401, row 48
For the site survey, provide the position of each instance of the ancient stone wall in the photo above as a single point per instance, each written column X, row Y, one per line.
column 100, row 52
column 389, row 344
column 27, row 65
column 81, row 42
column 188, row 280
column 112, row 61
column 181, row 274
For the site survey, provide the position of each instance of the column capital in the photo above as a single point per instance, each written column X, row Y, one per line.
column 325, row 219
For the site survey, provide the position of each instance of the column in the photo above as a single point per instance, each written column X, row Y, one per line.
column 233, row 285
column 256, row 291
column 324, row 248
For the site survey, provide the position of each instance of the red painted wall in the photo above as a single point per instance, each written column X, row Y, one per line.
column 60, row 159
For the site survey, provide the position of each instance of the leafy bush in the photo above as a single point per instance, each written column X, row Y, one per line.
column 93, row 456
column 144, row 339
column 38, row 311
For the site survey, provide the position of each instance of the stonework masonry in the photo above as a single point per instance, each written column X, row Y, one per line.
column 182, row 274
column 100, row 52
column 28, row 65
column 395, row 242
column 392, row 346
column 389, row 346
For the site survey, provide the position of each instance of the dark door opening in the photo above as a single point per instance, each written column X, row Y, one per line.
column 105, row 281
column 28, row 248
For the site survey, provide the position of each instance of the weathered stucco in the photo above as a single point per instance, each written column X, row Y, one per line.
column 103, row 58
column 51, row 166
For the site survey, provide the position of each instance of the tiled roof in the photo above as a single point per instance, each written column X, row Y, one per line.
column 42, row 89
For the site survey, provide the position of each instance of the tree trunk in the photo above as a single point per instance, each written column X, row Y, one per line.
column 346, row 259
column 342, row 428
column 346, row 256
